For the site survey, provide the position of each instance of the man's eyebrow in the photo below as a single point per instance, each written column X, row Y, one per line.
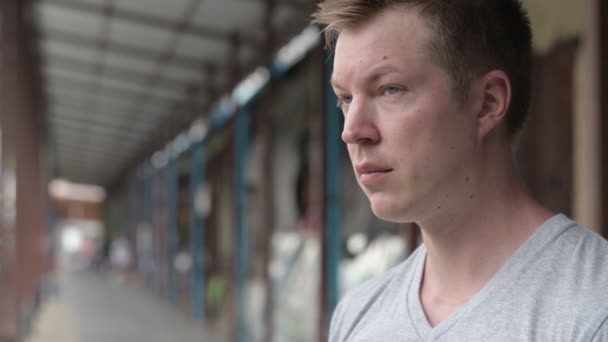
column 374, row 75
column 380, row 71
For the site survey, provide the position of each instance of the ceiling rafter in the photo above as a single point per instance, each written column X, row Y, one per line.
column 58, row 107
column 98, row 72
column 59, row 118
column 118, row 73
column 137, row 53
column 149, row 20
column 66, row 88
column 115, row 89
column 78, row 161
column 74, row 151
column 76, row 146
column 76, row 130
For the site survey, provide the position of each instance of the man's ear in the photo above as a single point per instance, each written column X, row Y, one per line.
column 496, row 92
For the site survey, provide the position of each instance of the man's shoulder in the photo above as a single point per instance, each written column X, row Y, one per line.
column 585, row 257
column 368, row 298
column 581, row 248
column 570, row 276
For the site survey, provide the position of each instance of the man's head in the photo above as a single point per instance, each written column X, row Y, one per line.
column 426, row 87
column 470, row 38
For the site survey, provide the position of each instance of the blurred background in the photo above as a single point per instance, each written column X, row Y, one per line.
column 173, row 170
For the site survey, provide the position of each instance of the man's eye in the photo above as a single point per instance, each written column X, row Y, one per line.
column 344, row 100
column 391, row 90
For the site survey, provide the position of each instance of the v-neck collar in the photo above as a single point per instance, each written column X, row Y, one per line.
column 528, row 250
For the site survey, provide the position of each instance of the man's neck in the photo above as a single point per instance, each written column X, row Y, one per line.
column 465, row 250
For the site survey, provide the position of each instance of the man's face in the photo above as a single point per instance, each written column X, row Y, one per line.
column 410, row 140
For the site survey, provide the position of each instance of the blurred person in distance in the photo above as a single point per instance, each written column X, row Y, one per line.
column 120, row 258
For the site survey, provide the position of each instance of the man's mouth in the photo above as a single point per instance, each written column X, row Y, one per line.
column 370, row 173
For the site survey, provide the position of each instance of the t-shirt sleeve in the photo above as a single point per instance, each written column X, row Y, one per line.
column 602, row 333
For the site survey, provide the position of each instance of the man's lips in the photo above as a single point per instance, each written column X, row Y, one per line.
column 370, row 173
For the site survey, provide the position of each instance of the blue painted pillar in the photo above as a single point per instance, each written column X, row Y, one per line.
column 242, row 130
column 148, row 179
column 171, row 237
column 197, row 233
column 333, row 180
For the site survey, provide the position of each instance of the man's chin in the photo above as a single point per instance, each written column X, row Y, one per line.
column 388, row 211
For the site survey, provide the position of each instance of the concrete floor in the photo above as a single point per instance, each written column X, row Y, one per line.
column 96, row 308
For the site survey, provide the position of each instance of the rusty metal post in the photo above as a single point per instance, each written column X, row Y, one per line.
column 23, row 234
column 8, row 55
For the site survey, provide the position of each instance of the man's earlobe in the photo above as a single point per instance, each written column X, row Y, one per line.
column 496, row 87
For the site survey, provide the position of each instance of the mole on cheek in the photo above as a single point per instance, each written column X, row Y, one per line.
column 384, row 57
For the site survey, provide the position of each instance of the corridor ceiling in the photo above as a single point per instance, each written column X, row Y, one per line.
column 123, row 77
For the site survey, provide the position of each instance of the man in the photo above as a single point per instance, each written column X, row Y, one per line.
column 433, row 94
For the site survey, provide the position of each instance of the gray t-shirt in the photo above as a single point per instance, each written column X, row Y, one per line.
column 554, row 288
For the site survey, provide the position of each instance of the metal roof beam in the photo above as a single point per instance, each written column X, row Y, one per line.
column 68, row 85
column 115, row 90
column 60, row 119
column 120, row 74
column 62, row 108
column 81, row 161
column 74, row 146
column 147, row 20
column 122, row 49
column 76, row 131
column 99, row 157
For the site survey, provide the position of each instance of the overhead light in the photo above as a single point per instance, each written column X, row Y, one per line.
column 179, row 145
column 224, row 109
column 159, row 159
column 197, row 131
column 297, row 48
column 250, row 86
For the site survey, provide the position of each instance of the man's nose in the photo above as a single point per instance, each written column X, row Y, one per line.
column 359, row 124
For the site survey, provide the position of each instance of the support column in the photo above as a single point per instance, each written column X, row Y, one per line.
column 332, row 212
column 148, row 217
column 8, row 286
column 243, row 255
column 198, row 232
column 267, row 128
column 171, row 237
column 23, row 233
